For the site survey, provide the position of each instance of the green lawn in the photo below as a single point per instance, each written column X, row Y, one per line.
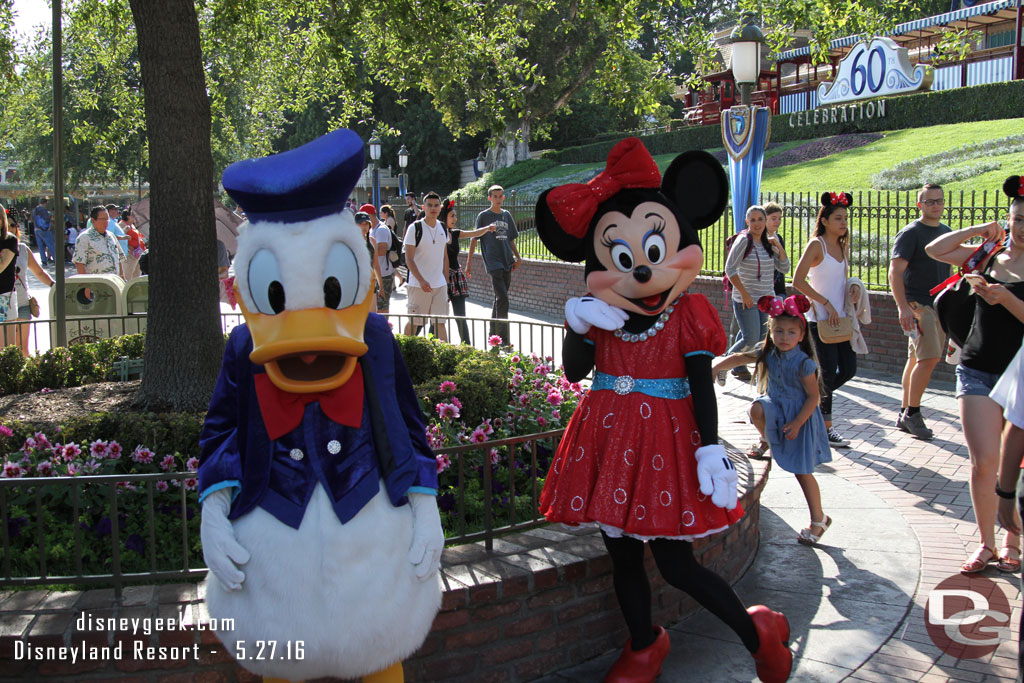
column 850, row 170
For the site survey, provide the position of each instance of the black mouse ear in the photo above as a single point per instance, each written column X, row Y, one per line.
column 826, row 199
column 698, row 186
column 1013, row 187
column 560, row 243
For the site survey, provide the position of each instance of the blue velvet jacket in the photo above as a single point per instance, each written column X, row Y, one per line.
column 280, row 476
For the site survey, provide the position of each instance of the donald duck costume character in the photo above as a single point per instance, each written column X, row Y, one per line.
column 320, row 523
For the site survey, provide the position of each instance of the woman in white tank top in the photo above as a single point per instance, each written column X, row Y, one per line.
column 821, row 275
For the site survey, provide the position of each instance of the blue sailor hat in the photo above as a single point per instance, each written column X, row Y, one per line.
column 307, row 182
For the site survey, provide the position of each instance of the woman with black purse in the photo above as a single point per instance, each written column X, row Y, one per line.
column 458, row 287
column 995, row 336
column 821, row 276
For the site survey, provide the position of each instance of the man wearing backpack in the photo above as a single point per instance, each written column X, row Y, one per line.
column 388, row 251
column 426, row 255
column 44, row 235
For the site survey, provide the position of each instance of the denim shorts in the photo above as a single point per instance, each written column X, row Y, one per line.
column 24, row 312
column 974, row 382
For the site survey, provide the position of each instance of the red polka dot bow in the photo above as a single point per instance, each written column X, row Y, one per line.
column 629, row 166
column 795, row 305
column 1020, row 187
column 840, row 199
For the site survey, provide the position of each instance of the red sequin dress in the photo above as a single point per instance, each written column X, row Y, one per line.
column 626, row 461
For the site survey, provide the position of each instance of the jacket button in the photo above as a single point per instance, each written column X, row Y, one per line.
column 334, row 447
column 296, row 454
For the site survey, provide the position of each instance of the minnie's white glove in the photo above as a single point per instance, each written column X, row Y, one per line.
column 427, row 536
column 717, row 476
column 582, row 313
column 221, row 550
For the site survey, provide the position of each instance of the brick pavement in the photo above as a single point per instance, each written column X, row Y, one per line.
column 927, row 483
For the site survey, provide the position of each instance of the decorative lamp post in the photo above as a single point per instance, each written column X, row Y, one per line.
column 403, row 161
column 375, row 156
column 746, row 40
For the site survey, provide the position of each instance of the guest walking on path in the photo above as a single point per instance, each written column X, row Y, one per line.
column 995, row 336
column 498, row 249
column 821, row 276
column 751, row 264
column 26, row 262
column 458, row 288
column 912, row 275
column 786, row 414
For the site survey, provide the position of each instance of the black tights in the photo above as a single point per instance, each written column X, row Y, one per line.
column 459, row 309
column 680, row 568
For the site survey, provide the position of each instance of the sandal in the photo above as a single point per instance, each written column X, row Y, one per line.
column 757, row 451
column 808, row 537
column 1008, row 562
column 975, row 563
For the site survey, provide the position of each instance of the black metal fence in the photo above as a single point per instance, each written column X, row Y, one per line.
column 127, row 528
column 874, row 219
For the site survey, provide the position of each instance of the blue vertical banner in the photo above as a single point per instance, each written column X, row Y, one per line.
column 376, row 186
column 745, row 134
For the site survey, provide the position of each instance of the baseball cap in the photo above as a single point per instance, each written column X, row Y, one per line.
column 362, row 217
column 368, row 208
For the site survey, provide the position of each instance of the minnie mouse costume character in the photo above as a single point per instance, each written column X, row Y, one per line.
column 640, row 457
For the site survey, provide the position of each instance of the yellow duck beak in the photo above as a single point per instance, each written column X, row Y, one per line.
column 311, row 350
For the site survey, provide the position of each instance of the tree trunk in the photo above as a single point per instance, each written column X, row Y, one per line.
column 184, row 342
column 511, row 146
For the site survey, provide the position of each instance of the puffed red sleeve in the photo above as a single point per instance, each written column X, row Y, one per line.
column 702, row 331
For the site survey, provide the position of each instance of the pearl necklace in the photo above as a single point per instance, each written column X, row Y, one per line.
column 651, row 331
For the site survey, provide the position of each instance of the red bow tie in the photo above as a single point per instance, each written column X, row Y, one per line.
column 629, row 166
column 282, row 410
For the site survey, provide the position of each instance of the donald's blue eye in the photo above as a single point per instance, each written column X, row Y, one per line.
column 266, row 291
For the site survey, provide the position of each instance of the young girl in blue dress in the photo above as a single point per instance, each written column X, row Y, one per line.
column 787, row 415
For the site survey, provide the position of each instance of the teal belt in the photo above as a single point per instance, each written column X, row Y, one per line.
column 675, row 387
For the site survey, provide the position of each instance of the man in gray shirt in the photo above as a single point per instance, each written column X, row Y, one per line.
column 912, row 274
column 500, row 255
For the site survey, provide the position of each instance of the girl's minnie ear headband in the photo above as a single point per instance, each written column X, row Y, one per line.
column 1013, row 187
column 795, row 305
column 836, row 199
column 448, row 203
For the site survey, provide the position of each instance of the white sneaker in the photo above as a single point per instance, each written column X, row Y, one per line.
column 722, row 376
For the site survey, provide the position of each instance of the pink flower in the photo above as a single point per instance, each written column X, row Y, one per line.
column 30, row 443
column 42, row 441
column 13, row 470
column 494, row 340
column 71, row 451
column 191, row 484
column 457, row 403
column 555, row 398
column 524, row 400
column 167, row 464
column 192, row 464
column 541, row 421
column 114, row 450
column 447, row 411
column 5, row 431
column 478, row 435
column 443, row 462
column 447, row 386
column 73, row 469
column 98, row 449
column 91, row 466
column 517, row 380
column 486, row 426
column 161, row 486
column 45, row 390
column 541, row 369
column 556, row 414
column 142, row 455
column 495, row 456
column 44, row 468
column 549, row 358
column 516, row 358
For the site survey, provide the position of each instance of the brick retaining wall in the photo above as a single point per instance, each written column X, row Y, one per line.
column 540, row 602
column 542, row 287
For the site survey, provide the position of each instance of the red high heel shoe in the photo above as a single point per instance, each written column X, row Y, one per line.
column 773, row 659
column 643, row 666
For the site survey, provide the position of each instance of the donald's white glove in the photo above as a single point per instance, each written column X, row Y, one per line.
column 427, row 536
column 221, row 550
column 717, row 476
column 582, row 313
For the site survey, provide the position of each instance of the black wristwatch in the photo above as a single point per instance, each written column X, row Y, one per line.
column 1008, row 495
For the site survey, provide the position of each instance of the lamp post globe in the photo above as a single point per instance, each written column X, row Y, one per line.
column 375, row 147
column 403, row 161
column 403, row 157
column 746, row 40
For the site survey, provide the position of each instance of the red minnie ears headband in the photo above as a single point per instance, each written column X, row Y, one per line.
column 1013, row 187
column 836, row 199
column 795, row 305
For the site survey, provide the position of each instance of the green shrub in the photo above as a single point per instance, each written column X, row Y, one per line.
column 977, row 103
column 483, row 387
column 11, row 365
column 50, row 370
column 418, row 353
column 162, row 432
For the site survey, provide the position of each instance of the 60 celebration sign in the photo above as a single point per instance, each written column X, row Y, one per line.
column 872, row 68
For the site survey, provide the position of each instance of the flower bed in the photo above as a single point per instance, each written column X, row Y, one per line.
column 471, row 399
